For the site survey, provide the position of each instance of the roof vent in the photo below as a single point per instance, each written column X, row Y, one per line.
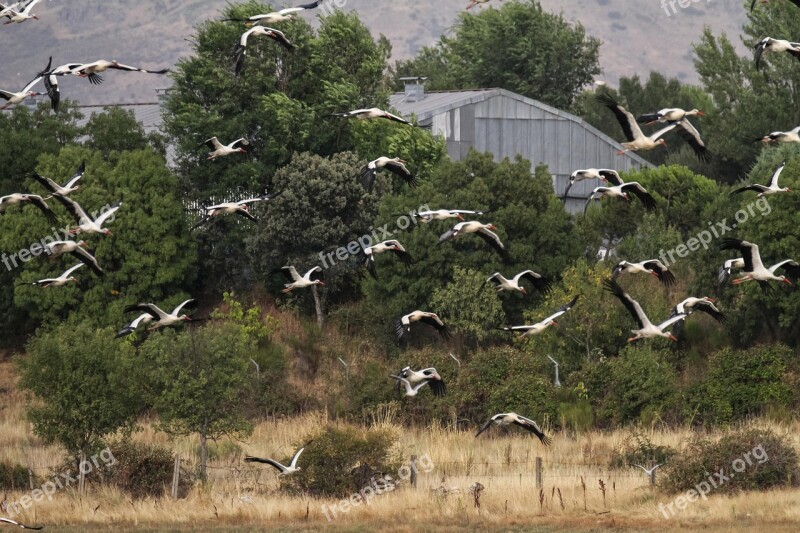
column 414, row 88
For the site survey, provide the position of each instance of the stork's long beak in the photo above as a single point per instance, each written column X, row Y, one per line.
column 787, row 281
column 522, row 290
column 673, row 338
column 459, row 217
column 701, row 114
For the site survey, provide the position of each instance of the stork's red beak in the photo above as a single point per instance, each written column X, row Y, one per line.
column 787, row 281
column 673, row 338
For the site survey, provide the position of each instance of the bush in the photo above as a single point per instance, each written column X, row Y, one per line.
column 739, row 384
column 333, row 465
column 638, row 449
column 13, row 476
column 759, row 459
column 141, row 470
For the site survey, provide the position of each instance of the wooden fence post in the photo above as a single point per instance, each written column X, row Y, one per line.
column 81, row 475
column 652, row 473
column 30, row 477
column 538, row 472
column 176, row 474
column 413, row 471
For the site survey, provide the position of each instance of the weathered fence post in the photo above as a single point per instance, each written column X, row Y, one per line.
column 176, row 473
column 30, row 477
column 81, row 475
column 413, row 478
column 538, row 472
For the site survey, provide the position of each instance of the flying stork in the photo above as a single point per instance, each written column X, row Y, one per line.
column 651, row 266
column 647, row 329
column 163, row 319
column 395, row 165
column 539, row 327
column 505, row 419
column 501, row 283
column 770, row 188
column 639, row 141
column 754, row 269
column 296, row 281
column 605, row 174
column 283, row 470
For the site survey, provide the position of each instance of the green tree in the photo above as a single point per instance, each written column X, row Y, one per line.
column 749, row 103
column 116, row 129
column 86, row 387
column 517, row 201
column 322, row 208
column 502, row 48
column 199, row 378
column 148, row 257
column 465, row 308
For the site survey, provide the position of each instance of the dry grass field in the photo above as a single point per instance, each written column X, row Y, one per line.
column 240, row 497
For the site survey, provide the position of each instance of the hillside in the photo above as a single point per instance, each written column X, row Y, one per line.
column 156, row 34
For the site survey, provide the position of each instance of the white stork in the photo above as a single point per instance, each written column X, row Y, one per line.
column 275, row 16
column 704, row 304
column 282, row 469
column 770, row 188
column 505, row 419
column 391, row 245
column 539, row 327
column 425, row 376
column 372, row 112
column 754, row 269
column 15, row 15
column 403, row 325
column 769, row 45
column 240, row 52
column 144, row 318
column 163, row 319
column 86, row 223
column 473, row 3
column 57, row 248
column 395, row 165
column 61, row 280
column 728, row 267
column 101, row 65
column 411, row 390
column 19, row 524
column 605, row 174
column 59, row 190
column 484, row 231
column 221, row 150
column 646, row 329
column 241, row 208
column 296, row 281
column 652, row 266
column 12, row 98
column 444, row 214
column 638, row 141
column 623, row 191
column 33, row 199
column 501, row 283
column 791, row 136
column 668, row 116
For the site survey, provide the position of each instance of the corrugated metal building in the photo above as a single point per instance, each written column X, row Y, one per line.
column 507, row 124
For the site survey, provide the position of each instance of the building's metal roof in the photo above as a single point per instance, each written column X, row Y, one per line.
column 148, row 114
column 439, row 102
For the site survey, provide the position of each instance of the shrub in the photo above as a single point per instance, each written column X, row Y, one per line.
column 13, row 476
column 141, row 470
column 333, row 465
column 642, row 386
column 760, row 460
column 739, row 384
column 638, row 449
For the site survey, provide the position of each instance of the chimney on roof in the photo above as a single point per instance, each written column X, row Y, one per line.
column 414, row 88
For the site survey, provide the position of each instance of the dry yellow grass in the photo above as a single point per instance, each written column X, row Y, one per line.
column 239, row 496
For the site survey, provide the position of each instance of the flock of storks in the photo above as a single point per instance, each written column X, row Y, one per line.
column 411, row 381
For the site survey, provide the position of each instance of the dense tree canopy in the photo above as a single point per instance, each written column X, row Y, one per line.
column 503, row 48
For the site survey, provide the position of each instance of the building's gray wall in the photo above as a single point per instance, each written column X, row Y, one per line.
column 508, row 127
